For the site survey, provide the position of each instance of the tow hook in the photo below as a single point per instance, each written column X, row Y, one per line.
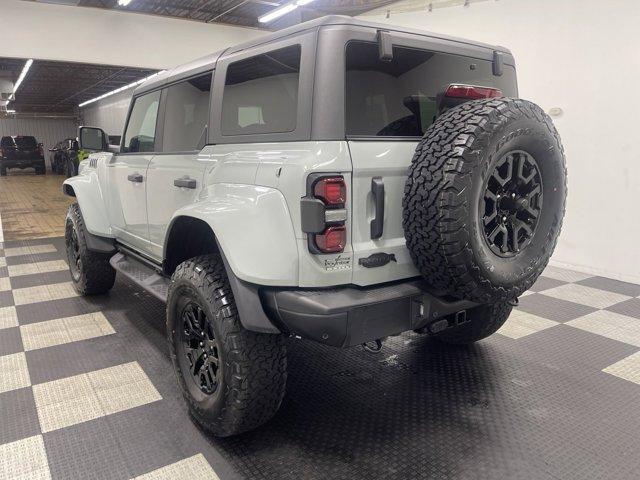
column 374, row 346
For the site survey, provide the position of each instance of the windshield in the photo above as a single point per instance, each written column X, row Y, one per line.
column 26, row 142
column 403, row 97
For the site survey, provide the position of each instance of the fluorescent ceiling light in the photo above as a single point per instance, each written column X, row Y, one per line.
column 278, row 12
column 124, row 3
column 121, row 89
column 23, row 74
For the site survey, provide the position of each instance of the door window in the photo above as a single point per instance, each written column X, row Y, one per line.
column 261, row 93
column 186, row 114
column 141, row 129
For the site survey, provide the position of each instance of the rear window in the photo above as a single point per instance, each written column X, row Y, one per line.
column 26, row 142
column 261, row 93
column 403, row 97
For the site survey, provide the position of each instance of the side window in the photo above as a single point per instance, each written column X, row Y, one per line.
column 261, row 93
column 186, row 114
column 141, row 130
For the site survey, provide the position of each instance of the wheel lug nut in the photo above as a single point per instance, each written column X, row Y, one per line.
column 513, row 195
column 201, row 344
column 504, row 219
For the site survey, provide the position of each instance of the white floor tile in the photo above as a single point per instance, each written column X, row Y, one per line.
column 3, row 262
column 14, row 373
column 564, row 275
column 592, row 297
column 43, row 293
column 627, row 368
column 8, row 317
column 520, row 324
column 5, row 284
column 29, row 250
column 37, row 267
column 65, row 330
column 611, row 325
column 192, row 467
column 24, row 459
column 69, row 401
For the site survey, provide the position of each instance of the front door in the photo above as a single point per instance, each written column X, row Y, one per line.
column 128, row 174
column 175, row 174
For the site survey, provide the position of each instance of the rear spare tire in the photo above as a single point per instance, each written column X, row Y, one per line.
column 485, row 198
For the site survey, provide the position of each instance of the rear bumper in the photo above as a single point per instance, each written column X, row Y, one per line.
column 22, row 162
column 349, row 316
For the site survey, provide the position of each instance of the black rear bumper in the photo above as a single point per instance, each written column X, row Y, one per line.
column 348, row 316
column 22, row 162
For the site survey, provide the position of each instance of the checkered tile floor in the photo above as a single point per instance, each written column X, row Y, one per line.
column 87, row 391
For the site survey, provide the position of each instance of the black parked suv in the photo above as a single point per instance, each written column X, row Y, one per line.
column 21, row 151
column 64, row 158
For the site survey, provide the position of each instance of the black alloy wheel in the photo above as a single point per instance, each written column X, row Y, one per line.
column 512, row 203
column 73, row 252
column 200, row 350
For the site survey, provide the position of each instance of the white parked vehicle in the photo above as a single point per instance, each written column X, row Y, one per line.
column 339, row 181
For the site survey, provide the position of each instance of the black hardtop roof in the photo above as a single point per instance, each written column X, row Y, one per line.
column 208, row 62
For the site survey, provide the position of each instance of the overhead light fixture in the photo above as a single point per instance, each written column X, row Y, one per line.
column 124, row 3
column 280, row 11
column 23, row 74
column 121, row 89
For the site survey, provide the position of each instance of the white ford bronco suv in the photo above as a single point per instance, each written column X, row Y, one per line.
column 338, row 181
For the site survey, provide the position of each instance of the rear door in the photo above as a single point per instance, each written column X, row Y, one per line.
column 389, row 105
column 174, row 176
column 128, row 173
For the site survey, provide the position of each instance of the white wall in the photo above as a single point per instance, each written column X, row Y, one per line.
column 112, row 37
column 109, row 113
column 582, row 56
column 47, row 131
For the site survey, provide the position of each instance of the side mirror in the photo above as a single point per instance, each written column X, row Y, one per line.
column 92, row 139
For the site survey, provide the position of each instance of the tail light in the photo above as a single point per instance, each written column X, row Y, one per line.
column 472, row 92
column 331, row 190
column 332, row 240
column 324, row 214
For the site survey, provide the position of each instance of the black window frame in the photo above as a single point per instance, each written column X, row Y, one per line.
column 163, row 110
column 157, row 138
column 302, row 132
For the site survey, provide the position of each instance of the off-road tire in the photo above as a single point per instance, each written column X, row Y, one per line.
column 482, row 322
column 442, row 220
column 253, row 376
column 94, row 275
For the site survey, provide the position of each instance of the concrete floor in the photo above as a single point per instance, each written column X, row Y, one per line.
column 87, row 389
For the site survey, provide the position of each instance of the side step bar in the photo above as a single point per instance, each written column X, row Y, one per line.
column 141, row 274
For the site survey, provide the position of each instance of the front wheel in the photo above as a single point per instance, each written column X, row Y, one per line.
column 482, row 322
column 232, row 379
column 91, row 272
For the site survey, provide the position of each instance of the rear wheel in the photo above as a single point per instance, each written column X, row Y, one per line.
column 481, row 322
column 232, row 379
column 91, row 272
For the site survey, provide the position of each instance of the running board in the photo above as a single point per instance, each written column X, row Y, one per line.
column 141, row 274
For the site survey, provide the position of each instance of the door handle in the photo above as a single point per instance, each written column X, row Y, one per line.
column 184, row 183
column 135, row 177
column 377, row 224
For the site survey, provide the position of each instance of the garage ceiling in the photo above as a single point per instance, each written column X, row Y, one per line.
column 236, row 12
column 58, row 87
